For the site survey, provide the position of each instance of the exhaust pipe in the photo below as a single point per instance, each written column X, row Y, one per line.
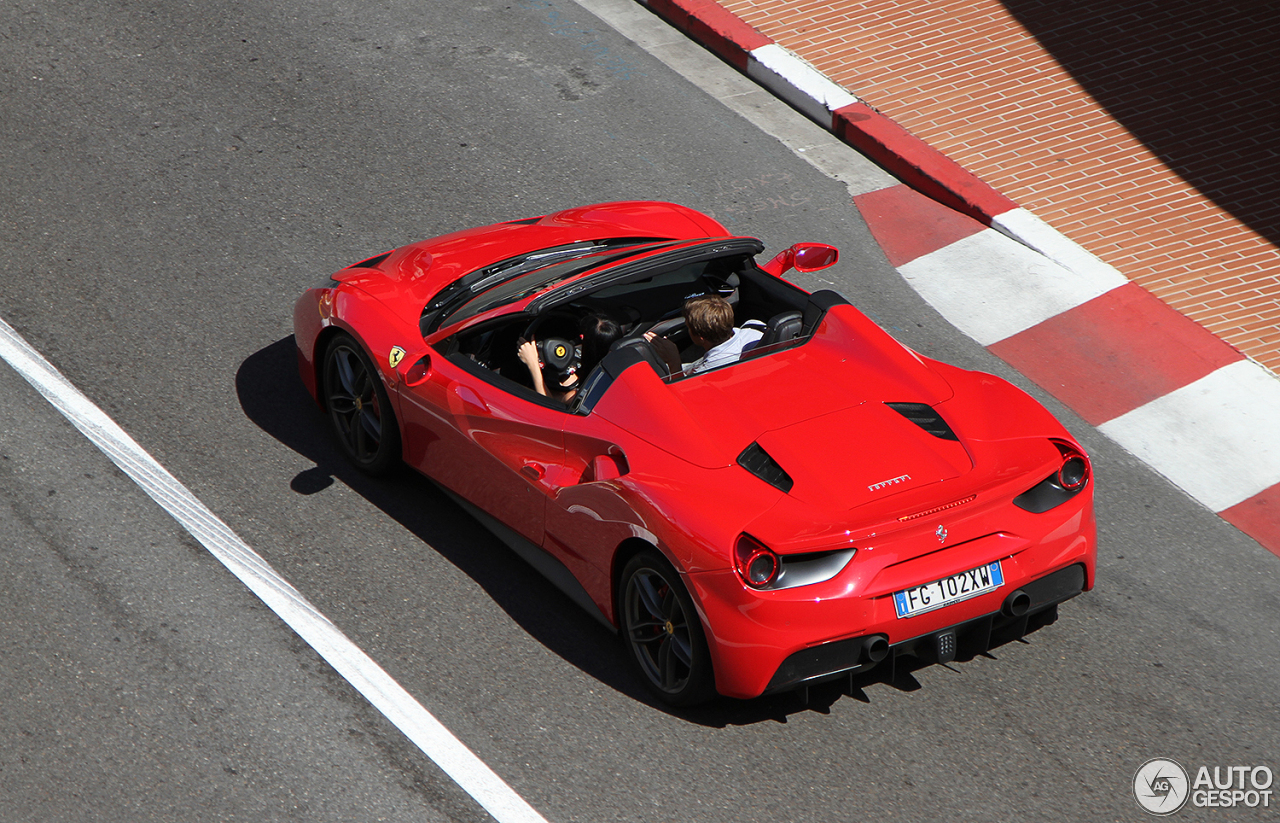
column 875, row 648
column 1016, row 604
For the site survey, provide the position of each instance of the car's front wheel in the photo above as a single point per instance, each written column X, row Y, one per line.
column 663, row 632
column 359, row 409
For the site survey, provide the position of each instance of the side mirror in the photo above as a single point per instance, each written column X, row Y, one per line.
column 814, row 256
column 804, row 257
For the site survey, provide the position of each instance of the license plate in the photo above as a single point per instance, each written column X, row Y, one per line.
column 948, row 590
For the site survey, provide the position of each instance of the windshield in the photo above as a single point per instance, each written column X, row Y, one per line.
column 518, row 277
column 532, row 283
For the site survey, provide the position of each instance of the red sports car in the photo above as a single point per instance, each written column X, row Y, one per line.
column 816, row 501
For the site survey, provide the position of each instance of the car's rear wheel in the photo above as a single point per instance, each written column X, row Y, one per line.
column 359, row 409
column 663, row 632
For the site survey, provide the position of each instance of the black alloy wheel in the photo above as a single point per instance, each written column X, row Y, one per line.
column 663, row 632
column 359, row 409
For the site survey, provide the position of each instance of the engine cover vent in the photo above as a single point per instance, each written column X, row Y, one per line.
column 925, row 417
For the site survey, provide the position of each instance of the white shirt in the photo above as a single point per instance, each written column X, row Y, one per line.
column 729, row 351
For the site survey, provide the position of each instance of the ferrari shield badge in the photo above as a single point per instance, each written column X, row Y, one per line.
column 397, row 354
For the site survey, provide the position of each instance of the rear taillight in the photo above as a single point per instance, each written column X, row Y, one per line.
column 1071, row 476
column 755, row 562
column 1074, row 472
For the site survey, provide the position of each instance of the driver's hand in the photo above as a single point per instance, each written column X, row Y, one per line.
column 528, row 353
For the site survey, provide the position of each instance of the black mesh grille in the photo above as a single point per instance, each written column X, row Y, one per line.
column 757, row 461
column 926, row 418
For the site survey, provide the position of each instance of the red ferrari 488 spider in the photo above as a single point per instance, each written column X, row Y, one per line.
column 795, row 503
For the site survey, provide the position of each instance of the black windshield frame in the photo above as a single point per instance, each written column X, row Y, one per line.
column 533, row 271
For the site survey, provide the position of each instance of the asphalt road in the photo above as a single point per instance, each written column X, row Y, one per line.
column 174, row 174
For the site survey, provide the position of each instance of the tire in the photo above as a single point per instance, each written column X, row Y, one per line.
column 360, row 412
column 663, row 633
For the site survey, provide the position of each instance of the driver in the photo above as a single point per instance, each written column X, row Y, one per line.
column 597, row 332
column 547, row 380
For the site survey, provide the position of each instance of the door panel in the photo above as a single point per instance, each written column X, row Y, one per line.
column 588, row 516
column 500, row 451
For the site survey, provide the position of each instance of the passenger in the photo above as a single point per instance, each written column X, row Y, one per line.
column 709, row 321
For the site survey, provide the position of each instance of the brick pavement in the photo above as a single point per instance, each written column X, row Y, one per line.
column 1144, row 131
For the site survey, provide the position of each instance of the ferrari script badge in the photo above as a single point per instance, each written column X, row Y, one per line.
column 397, row 354
column 884, row 484
column 942, row 534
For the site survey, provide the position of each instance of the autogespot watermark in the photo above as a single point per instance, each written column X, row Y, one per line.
column 1161, row 786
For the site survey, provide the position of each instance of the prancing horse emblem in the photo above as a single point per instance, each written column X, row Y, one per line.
column 397, row 354
column 942, row 534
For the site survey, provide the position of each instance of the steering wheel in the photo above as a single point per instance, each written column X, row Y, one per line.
column 557, row 352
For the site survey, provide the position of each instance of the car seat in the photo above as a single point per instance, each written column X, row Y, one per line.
column 780, row 329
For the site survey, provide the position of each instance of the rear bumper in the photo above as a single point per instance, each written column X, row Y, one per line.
column 827, row 661
column 767, row 641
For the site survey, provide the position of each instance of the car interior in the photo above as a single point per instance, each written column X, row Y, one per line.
column 653, row 303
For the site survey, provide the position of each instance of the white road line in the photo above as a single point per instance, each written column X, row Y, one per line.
column 366, row 676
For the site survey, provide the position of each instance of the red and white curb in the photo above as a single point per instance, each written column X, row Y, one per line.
column 1157, row 383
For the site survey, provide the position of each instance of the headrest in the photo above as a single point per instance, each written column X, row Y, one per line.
column 782, row 327
column 628, row 351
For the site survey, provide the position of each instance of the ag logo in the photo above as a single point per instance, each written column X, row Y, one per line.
column 561, row 351
column 397, row 354
column 1161, row 786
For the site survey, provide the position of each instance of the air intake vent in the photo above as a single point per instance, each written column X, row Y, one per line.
column 757, row 461
column 926, row 418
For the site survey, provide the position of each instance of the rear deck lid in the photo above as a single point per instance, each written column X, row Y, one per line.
column 860, row 454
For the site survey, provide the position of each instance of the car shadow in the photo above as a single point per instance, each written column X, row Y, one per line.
column 274, row 399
